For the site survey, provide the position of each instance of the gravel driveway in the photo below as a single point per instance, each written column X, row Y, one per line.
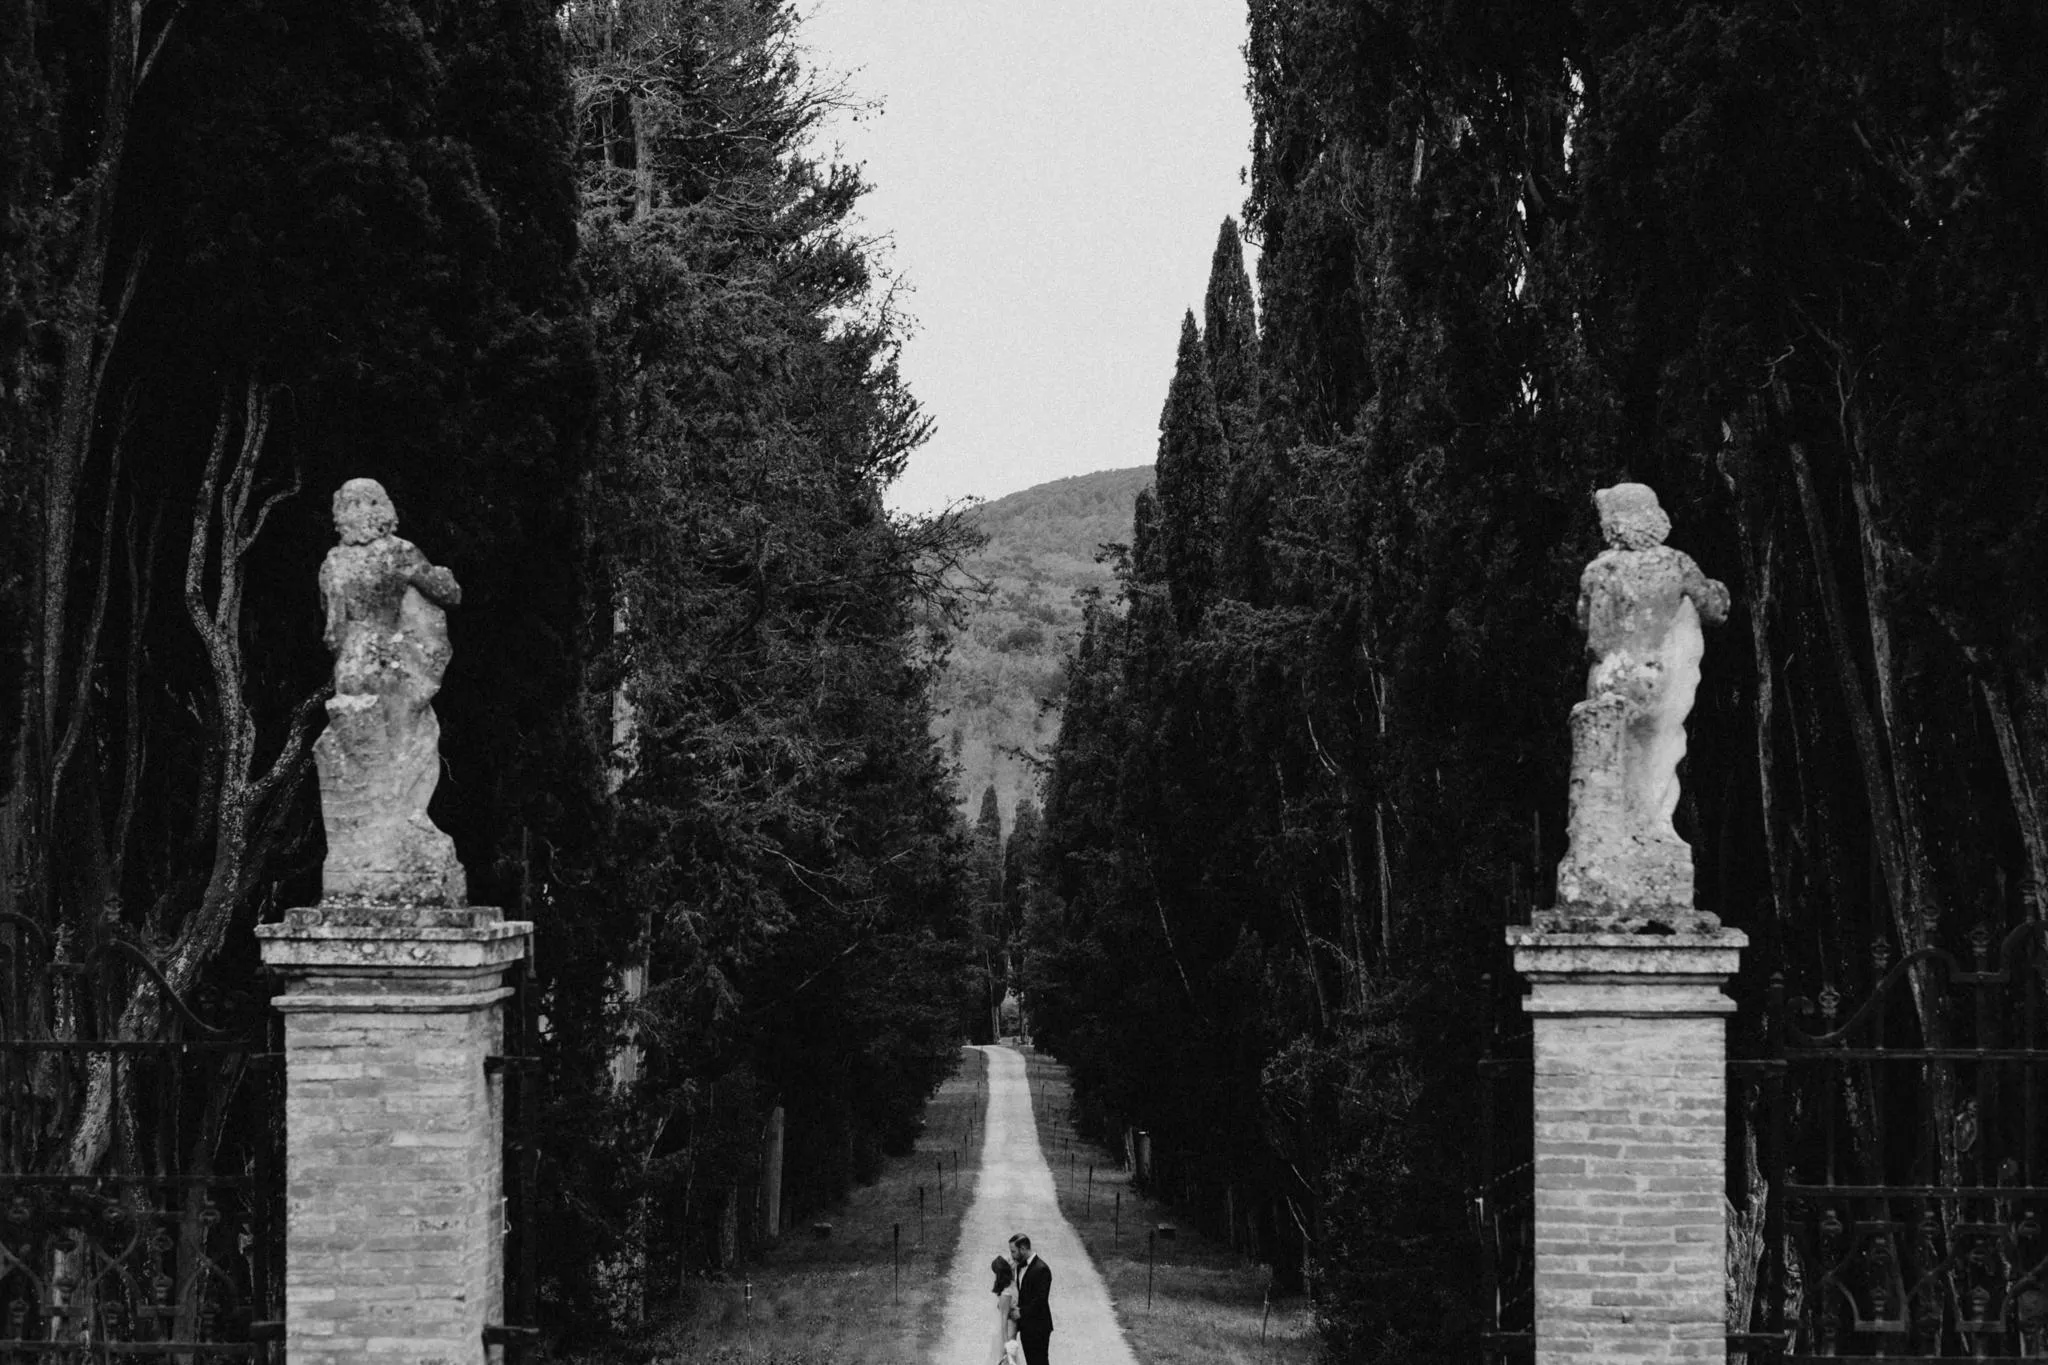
column 1015, row 1194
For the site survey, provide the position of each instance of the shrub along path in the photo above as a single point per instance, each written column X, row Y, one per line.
column 835, row 1299
column 1015, row 1194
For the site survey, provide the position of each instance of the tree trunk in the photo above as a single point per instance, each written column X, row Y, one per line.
column 248, row 809
column 86, row 341
column 2022, row 780
column 1759, row 573
column 643, row 158
column 1903, row 882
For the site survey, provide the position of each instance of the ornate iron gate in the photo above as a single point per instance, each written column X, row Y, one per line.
column 1907, row 1163
column 172, row 1246
column 1905, row 1182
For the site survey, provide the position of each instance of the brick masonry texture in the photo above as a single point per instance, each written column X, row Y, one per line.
column 1631, row 1231
column 393, row 1141
column 393, row 1135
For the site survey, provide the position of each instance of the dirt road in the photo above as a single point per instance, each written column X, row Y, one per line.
column 1015, row 1194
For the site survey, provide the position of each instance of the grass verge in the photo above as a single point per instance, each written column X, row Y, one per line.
column 837, row 1299
column 1208, row 1305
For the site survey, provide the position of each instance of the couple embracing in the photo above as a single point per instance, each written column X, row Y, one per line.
column 1023, row 1291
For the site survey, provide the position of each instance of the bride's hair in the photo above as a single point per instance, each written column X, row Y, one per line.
column 1001, row 1266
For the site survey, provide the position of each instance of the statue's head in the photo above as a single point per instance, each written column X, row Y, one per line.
column 1630, row 518
column 363, row 512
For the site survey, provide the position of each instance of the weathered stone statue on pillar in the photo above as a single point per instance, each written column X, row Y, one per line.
column 1625, row 975
column 1641, row 604
column 393, row 998
column 380, row 756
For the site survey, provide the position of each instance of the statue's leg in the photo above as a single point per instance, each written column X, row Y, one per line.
column 1678, row 668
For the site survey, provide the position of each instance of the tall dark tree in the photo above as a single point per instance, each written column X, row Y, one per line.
column 1020, row 863
column 1230, row 338
column 1193, row 458
column 988, row 840
column 1780, row 264
column 803, row 890
column 261, row 248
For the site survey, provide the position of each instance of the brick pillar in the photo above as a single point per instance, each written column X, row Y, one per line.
column 394, row 1224
column 1631, row 1142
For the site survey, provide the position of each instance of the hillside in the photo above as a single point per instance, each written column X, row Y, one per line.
column 1007, row 669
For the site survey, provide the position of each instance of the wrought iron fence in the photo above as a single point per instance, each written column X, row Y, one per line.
column 1900, row 1148
column 1503, row 1207
column 140, row 1167
column 519, row 1069
column 1907, row 1161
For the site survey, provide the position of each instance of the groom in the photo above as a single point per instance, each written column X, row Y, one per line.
column 1034, row 1300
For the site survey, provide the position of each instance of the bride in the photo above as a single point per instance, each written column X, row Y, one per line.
column 1006, row 1309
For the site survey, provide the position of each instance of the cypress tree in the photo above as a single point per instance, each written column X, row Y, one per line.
column 988, row 838
column 1824, row 368
column 1020, row 854
column 1148, row 560
column 1187, row 473
column 1230, row 335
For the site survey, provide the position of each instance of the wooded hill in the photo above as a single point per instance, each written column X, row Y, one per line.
column 1788, row 266
column 1006, row 665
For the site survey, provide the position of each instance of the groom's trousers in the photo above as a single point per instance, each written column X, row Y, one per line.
column 1035, row 1344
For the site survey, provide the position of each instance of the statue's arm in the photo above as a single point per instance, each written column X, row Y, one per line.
column 438, row 585
column 331, row 604
column 1709, row 595
column 435, row 583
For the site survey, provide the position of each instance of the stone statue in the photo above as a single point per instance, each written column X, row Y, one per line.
column 1641, row 603
column 380, row 756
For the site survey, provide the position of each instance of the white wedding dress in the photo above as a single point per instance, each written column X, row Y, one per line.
column 1006, row 1323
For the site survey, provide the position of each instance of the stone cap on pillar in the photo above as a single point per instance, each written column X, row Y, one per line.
column 352, row 958
column 1626, row 974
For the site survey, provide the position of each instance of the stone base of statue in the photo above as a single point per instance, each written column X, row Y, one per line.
column 377, row 773
column 1626, row 871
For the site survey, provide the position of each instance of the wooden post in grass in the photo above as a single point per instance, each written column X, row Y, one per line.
column 1116, row 1230
column 939, row 1168
column 771, row 1173
column 896, row 1261
column 1088, row 1203
column 920, row 1215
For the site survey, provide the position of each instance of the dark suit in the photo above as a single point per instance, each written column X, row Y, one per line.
column 1034, row 1310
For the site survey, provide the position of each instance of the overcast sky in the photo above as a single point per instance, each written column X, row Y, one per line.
column 1052, row 174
